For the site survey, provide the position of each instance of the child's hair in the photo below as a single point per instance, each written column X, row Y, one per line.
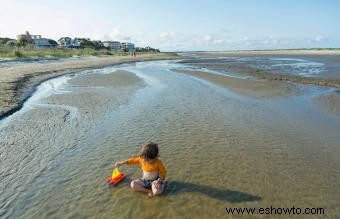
column 149, row 151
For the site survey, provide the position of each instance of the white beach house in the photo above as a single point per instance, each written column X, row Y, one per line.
column 35, row 40
column 127, row 46
column 42, row 42
column 69, row 42
column 113, row 45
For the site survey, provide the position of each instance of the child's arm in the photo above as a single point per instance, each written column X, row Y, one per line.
column 118, row 164
column 162, row 175
column 130, row 161
column 162, row 171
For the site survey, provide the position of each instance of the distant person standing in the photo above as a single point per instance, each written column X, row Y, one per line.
column 133, row 52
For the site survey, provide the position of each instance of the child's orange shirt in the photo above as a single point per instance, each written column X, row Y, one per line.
column 154, row 166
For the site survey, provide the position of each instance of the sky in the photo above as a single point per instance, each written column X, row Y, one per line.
column 180, row 25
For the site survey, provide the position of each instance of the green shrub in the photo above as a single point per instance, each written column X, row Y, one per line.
column 18, row 54
column 30, row 51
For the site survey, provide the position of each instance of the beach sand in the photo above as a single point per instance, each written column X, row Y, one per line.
column 330, row 102
column 266, row 89
column 249, row 70
column 66, row 117
column 18, row 82
column 262, row 83
column 119, row 78
column 273, row 52
column 221, row 150
column 247, row 87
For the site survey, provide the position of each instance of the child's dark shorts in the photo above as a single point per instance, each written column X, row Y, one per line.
column 147, row 183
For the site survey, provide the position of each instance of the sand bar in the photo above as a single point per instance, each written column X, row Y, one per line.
column 18, row 82
column 274, row 52
column 247, row 87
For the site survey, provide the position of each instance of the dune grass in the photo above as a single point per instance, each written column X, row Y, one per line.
column 29, row 52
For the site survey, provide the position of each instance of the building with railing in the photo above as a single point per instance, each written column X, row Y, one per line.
column 69, row 42
column 113, row 45
column 127, row 46
column 35, row 40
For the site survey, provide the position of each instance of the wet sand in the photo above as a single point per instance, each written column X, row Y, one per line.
column 34, row 146
column 18, row 82
column 328, row 59
column 220, row 149
column 271, row 83
column 274, row 52
column 117, row 79
column 330, row 102
column 246, row 69
column 247, row 87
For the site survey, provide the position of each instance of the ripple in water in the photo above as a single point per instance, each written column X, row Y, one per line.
column 221, row 150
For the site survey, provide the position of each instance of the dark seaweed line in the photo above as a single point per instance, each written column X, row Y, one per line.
column 298, row 79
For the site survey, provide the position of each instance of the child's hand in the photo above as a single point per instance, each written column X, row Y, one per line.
column 118, row 164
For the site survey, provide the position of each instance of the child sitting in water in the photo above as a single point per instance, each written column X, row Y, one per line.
column 153, row 169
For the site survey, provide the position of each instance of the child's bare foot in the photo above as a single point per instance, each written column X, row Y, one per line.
column 150, row 194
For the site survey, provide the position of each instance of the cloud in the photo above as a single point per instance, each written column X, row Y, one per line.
column 118, row 35
column 213, row 40
column 167, row 35
column 207, row 38
column 319, row 38
column 178, row 41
